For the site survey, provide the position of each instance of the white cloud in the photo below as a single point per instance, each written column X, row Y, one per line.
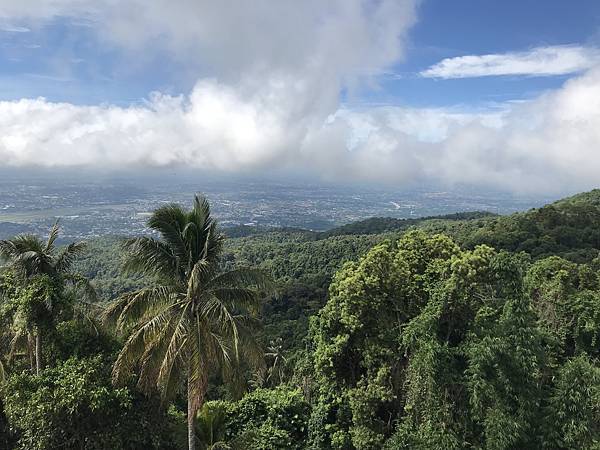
column 546, row 145
column 226, row 37
column 270, row 72
column 268, row 97
column 540, row 61
column 549, row 144
column 14, row 29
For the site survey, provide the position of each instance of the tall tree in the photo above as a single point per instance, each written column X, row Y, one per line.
column 42, row 269
column 196, row 318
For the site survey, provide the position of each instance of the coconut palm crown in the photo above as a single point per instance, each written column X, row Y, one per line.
column 32, row 256
column 194, row 319
column 34, row 260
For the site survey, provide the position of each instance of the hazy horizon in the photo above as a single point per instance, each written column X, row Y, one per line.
column 92, row 204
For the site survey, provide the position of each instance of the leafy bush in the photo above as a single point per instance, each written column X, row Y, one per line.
column 265, row 419
column 74, row 406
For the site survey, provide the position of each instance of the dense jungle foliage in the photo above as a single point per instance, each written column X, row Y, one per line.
column 470, row 331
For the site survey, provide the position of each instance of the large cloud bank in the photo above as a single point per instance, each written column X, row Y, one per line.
column 273, row 101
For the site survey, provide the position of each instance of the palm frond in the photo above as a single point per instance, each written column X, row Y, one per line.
column 8, row 249
column 199, row 273
column 26, row 243
column 67, row 256
column 135, row 346
column 222, row 320
column 175, row 349
column 200, row 213
column 26, row 253
column 214, row 242
column 197, row 376
column 244, row 276
column 151, row 257
column 130, row 308
column 251, row 349
column 221, row 347
column 89, row 314
column 170, row 221
column 151, row 360
column 239, row 298
column 128, row 356
column 202, row 234
column 113, row 311
column 52, row 236
column 32, row 262
column 174, row 383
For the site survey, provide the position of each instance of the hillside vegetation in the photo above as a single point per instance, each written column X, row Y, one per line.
column 454, row 332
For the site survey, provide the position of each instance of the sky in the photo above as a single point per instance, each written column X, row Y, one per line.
column 493, row 94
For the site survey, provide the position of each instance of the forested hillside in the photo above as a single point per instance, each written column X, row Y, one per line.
column 567, row 228
column 453, row 332
column 303, row 262
column 376, row 225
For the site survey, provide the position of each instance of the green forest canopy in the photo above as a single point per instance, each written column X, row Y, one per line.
column 467, row 331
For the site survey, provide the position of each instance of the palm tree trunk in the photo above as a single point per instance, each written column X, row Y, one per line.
column 196, row 392
column 38, row 352
column 191, row 416
column 30, row 351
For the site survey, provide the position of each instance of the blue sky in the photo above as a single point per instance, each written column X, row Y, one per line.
column 473, row 27
column 63, row 59
column 502, row 94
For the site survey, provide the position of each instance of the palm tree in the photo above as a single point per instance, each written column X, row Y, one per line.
column 211, row 425
column 195, row 319
column 32, row 260
column 275, row 353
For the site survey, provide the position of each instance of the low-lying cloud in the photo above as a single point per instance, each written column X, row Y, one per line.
column 547, row 144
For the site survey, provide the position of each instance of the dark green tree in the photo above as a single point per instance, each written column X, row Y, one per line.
column 423, row 345
column 573, row 420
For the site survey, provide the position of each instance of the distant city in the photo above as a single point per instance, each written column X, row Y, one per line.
column 121, row 206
